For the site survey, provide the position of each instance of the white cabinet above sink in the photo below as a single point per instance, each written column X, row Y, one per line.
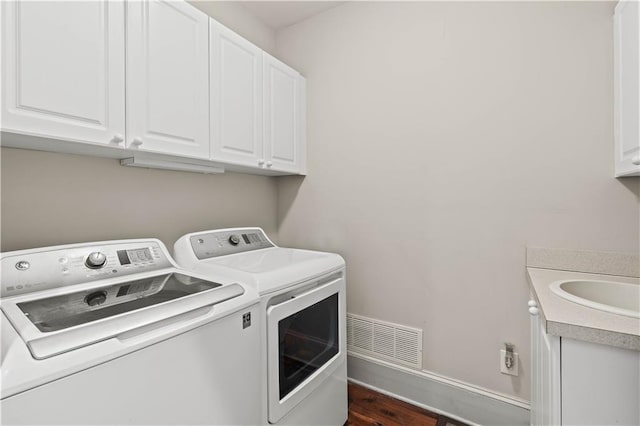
column 627, row 87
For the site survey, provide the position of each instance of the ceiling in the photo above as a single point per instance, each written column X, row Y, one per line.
column 281, row 14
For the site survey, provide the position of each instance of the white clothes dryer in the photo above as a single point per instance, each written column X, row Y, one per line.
column 303, row 305
column 115, row 333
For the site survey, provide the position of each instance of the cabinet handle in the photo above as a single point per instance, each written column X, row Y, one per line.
column 533, row 304
column 636, row 160
column 269, row 164
column 260, row 162
column 117, row 138
column 136, row 141
column 533, row 311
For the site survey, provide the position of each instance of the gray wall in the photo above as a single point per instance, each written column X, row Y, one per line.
column 234, row 16
column 443, row 138
column 50, row 199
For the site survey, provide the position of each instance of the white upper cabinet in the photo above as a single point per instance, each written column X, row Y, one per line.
column 257, row 106
column 283, row 116
column 236, row 98
column 627, row 88
column 167, row 78
column 63, row 70
column 112, row 78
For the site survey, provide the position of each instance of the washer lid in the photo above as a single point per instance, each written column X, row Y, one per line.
column 60, row 312
column 273, row 268
column 51, row 325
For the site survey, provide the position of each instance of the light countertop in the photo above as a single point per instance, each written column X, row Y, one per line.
column 572, row 320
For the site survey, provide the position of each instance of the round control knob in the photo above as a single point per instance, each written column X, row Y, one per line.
column 533, row 311
column 95, row 260
column 234, row 240
column 96, row 298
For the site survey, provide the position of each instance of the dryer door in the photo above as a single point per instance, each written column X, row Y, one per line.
column 305, row 342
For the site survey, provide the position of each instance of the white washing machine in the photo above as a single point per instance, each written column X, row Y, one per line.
column 303, row 305
column 115, row 333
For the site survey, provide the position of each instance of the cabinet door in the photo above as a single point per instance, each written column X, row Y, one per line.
column 167, row 78
column 549, row 373
column 535, row 369
column 282, row 107
column 63, row 70
column 545, row 374
column 236, row 98
column 627, row 87
column 600, row 384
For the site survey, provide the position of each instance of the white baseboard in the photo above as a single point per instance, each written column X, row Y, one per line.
column 457, row 402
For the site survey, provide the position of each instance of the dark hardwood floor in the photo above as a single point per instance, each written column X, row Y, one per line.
column 370, row 408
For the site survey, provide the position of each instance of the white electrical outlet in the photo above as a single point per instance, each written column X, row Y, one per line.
column 513, row 371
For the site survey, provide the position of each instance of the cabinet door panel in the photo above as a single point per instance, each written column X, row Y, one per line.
column 535, row 371
column 236, row 98
column 282, row 115
column 600, row 384
column 167, row 78
column 63, row 69
column 545, row 375
column 550, row 369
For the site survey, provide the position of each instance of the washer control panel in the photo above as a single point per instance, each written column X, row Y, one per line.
column 40, row 269
column 221, row 243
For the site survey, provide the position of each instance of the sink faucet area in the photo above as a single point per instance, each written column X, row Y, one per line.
column 610, row 296
column 587, row 295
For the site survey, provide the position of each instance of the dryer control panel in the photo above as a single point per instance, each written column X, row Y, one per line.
column 228, row 241
column 27, row 271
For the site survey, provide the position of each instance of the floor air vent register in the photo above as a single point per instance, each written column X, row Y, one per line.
column 387, row 341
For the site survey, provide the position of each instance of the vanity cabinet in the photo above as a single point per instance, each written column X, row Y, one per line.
column 63, row 70
column 627, row 87
column 575, row 382
column 167, row 78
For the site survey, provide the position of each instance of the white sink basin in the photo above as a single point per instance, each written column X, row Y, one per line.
column 609, row 296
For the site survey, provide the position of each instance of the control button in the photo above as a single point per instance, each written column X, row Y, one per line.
column 63, row 260
column 234, row 240
column 23, row 265
column 96, row 298
column 95, row 260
